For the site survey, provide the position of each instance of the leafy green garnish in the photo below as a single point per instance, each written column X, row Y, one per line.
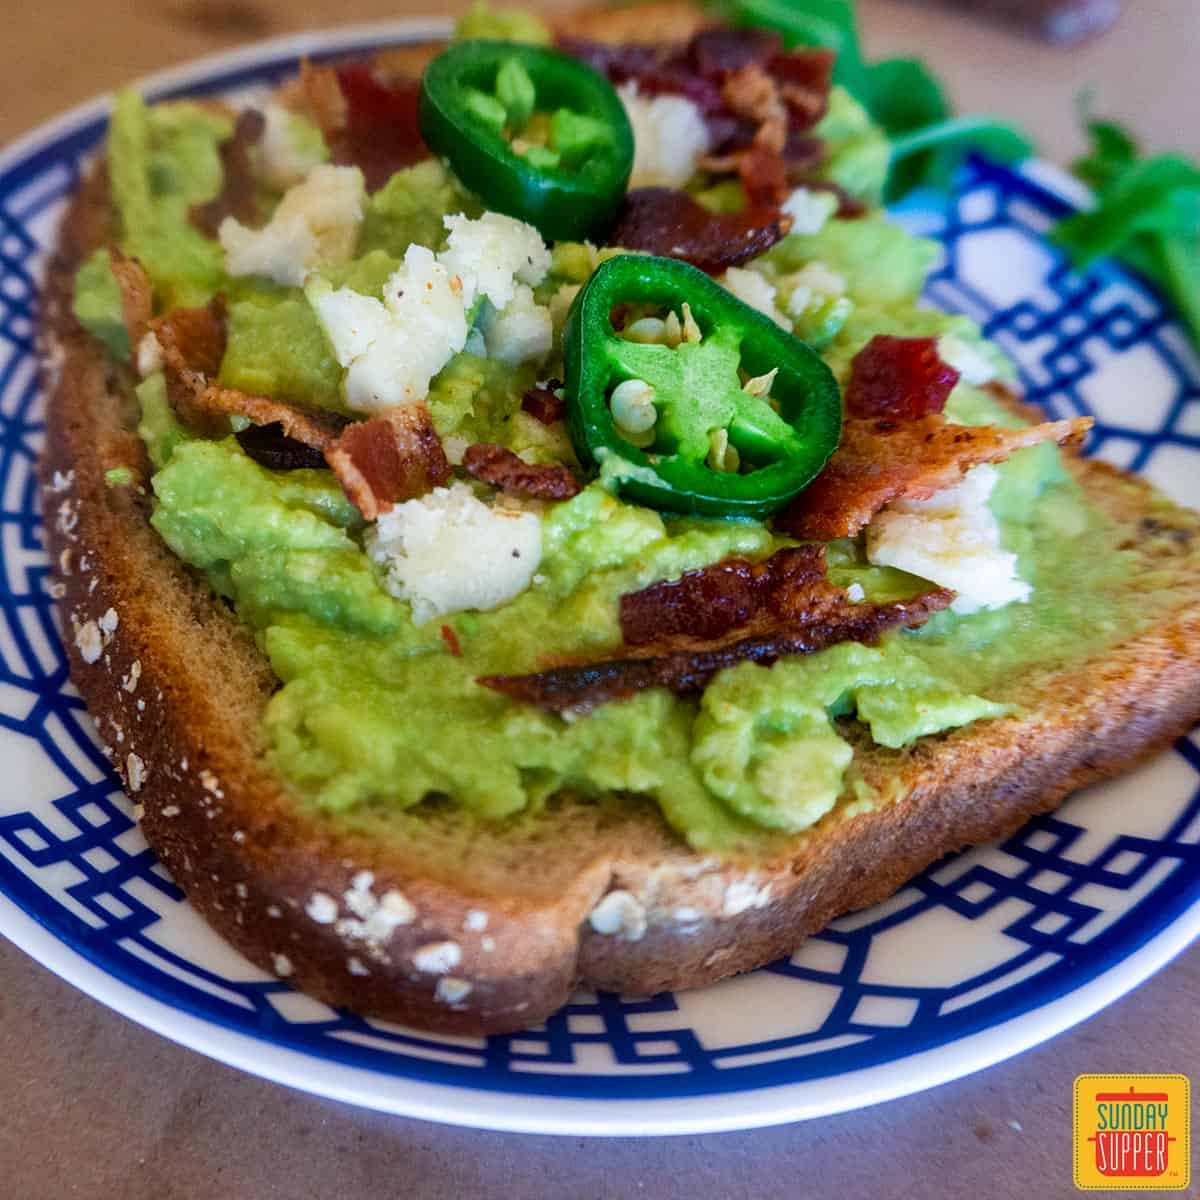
column 901, row 94
column 1147, row 214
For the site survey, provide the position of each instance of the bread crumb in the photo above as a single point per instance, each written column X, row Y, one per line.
column 139, row 811
column 322, row 908
column 109, row 623
column 438, row 958
column 476, row 921
column 172, row 810
column 620, row 912
column 452, row 991
column 356, row 966
column 282, row 964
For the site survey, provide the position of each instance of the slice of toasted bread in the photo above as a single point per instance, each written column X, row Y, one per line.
column 442, row 921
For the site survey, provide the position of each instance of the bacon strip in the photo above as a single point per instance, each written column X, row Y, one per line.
column 394, row 456
column 763, row 612
column 543, row 405
column 391, row 457
column 503, row 469
column 381, row 133
column 137, row 296
column 238, row 196
column 900, row 377
column 663, row 221
column 881, row 460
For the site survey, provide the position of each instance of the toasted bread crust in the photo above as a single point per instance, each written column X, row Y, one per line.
column 397, row 925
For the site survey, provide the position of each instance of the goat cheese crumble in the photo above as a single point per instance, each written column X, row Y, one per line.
column 952, row 539
column 315, row 225
column 669, row 135
column 392, row 348
column 448, row 551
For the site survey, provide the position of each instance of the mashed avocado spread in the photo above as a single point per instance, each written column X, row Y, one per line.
column 377, row 709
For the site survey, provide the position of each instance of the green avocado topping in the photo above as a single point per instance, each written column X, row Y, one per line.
column 379, row 712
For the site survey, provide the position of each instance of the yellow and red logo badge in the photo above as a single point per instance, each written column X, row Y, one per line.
column 1132, row 1132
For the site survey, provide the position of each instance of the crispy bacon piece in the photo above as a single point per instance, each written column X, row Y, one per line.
column 381, row 134
column 238, row 196
column 759, row 102
column 193, row 344
column 881, row 460
column 898, row 377
column 318, row 93
column 804, row 77
column 543, row 405
column 312, row 427
column 391, row 457
column 503, row 469
column 760, row 612
column 664, row 221
column 137, row 296
column 718, row 52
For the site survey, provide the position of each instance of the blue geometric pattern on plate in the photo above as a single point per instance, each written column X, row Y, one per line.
column 1050, row 909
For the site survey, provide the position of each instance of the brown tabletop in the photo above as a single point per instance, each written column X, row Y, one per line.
column 94, row 1106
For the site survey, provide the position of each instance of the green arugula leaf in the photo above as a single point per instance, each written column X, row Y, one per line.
column 1156, row 195
column 1147, row 214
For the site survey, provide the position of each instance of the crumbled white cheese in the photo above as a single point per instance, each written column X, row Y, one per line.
column 669, row 135
column 810, row 287
column 754, row 289
column 620, row 912
column 284, row 157
column 969, row 361
column 492, row 255
column 476, row 920
column 521, row 331
column 809, row 209
column 448, row 551
column 856, row 593
column 282, row 965
column 315, row 225
column 438, row 958
column 394, row 348
column 951, row 539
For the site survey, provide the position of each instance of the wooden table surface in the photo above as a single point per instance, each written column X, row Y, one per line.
column 95, row 1107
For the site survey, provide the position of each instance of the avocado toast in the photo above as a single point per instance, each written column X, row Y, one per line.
column 394, row 834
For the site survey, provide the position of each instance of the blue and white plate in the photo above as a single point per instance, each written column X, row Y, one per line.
column 986, row 954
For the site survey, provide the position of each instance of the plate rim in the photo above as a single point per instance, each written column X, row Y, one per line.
column 490, row 1108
